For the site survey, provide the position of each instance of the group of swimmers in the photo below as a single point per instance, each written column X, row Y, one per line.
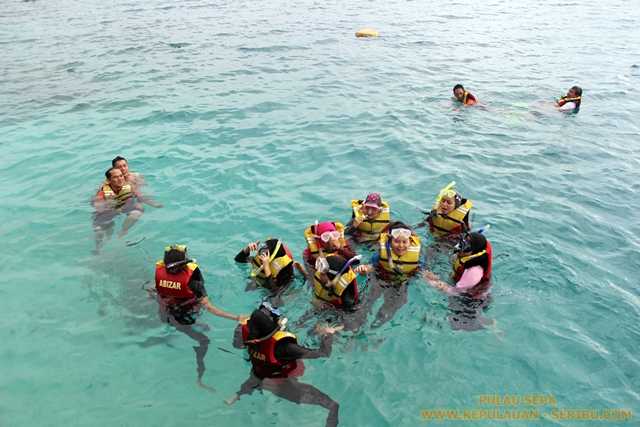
column 330, row 265
column 569, row 103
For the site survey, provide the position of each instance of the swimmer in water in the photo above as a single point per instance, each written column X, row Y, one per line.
column 369, row 218
column 472, row 266
column 570, row 103
column 461, row 95
column 276, row 363
column 182, row 295
column 397, row 260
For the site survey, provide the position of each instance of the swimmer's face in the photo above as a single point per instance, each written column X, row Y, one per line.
column 572, row 93
column 446, row 205
column 116, row 178
column 123, row 166
column 334, row 244
column 371, row 211
column 399, row 245
column 458, row 93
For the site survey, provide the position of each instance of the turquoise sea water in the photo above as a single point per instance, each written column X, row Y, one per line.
column 255, row 119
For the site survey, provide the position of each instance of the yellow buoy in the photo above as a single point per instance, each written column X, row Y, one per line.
column 367, row 32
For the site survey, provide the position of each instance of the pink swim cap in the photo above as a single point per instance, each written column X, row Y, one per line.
column 323, row 227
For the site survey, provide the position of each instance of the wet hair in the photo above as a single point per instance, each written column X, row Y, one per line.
column 478, row 243
column 261, row 323
column 271, row 244
column 458, row 86
column 577, row 90
column 117, row 159
column 108, row 172
column 172, row 256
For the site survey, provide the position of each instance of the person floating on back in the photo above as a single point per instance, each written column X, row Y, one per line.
column 460, row 94
column 570, row 103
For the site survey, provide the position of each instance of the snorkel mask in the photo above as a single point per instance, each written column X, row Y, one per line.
column 275, row 314
column 448, row 192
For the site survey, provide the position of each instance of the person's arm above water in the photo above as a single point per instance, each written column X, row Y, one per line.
column 244, row 254
column 566, row 106
column 196, row 284
column 470, row 278
column 289, row 350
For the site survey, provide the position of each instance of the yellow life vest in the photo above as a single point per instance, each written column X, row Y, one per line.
column 407, row 263
column 276, row 264
column 333, row 293
column 441, row 225
column 459, row 261
column 370, row 229
column 121, row 198
column 310, row 236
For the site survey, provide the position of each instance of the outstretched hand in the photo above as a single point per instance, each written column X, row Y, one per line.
column 326, row 329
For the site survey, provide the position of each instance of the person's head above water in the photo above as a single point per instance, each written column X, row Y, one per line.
column 447, row 200
column 175, row 258
column 458, row 92
column 472, row 243
column 574, row 92
column 265, row 321
column 121, row 163
column 328, row 235
column 400, row 237
column 115, row 178
column 372, row 205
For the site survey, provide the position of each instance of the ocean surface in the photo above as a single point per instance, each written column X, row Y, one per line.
column 254, row 119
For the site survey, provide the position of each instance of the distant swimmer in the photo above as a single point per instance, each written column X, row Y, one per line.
column 461, row 94
column 272, row 265
column 398, row 258
column 369, row 217
column 450, row 213
column 275, row 357
column 182, row 295
column 472, row 268
column 326, row 238
column 570, row 103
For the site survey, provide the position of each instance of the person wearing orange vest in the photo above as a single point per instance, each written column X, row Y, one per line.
column 275, row 357
column 460, row 94
column 181, row 296
column 472, row 268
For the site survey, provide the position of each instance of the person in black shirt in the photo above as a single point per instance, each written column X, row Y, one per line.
column 276, row 360
column 181, row 296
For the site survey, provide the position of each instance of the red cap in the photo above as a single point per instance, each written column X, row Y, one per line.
column 373, row 200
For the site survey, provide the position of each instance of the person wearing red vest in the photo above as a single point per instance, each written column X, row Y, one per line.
column 460, row 94
column 472, row 267
column 181, row 294
column 275, row 357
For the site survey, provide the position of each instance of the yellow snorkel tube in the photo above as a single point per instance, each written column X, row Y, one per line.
column 448, row 192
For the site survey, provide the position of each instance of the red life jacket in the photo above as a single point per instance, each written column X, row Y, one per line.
column 174, row 288
column 485, row 282
column 263, row 357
